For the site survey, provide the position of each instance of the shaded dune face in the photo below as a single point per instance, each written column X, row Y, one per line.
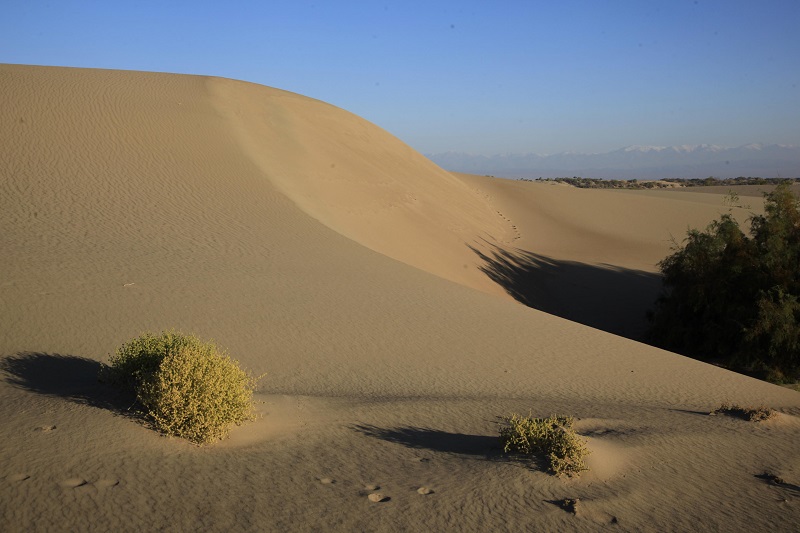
column 362, row 182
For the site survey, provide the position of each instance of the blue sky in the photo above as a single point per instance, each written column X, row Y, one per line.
column 472, row 76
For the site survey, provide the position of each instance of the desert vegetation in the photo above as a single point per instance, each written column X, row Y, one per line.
column 552, row 437
column 734, row 299
column 751, row 414
column 185, row 387
column 599, row 183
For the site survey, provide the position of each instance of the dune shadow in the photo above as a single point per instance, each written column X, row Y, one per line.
column 65, row 376
column 481, row 447
column 435, row 440
column 605, row 297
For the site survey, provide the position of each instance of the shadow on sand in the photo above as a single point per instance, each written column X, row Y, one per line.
column 65, row 376
column 435, row 440
column 779, row 482
column 605, row 297
column 482, row 447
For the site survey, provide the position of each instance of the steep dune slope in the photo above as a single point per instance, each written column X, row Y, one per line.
column 139, row 201
column 362, row 182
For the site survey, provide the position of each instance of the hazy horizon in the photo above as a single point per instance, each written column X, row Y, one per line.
column 586, row 77
column 635, row 162
column 630, row 147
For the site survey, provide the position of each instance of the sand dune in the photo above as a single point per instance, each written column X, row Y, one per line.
column 378, row 292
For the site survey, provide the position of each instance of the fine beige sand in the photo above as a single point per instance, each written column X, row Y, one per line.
column 380, row 293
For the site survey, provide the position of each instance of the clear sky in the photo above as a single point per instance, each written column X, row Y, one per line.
column 471, row 76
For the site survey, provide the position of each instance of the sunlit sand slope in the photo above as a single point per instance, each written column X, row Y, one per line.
column 361, row 181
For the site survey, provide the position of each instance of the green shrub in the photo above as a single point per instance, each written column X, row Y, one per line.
column 140, row 358
column 186, row 387
column 734, row 299
column 553, row 437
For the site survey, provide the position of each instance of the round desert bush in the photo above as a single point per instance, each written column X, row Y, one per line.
column 140, row 358
column 187, row 388
column 553, row 437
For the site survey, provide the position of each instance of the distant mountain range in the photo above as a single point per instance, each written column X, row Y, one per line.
column 636, row 162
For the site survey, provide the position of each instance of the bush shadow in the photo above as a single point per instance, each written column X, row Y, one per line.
column 69, row 377
column 779, row 482
column 566, row 504
column 605, row 297
column 483, row 447
column 691, row 412
column 435, row 440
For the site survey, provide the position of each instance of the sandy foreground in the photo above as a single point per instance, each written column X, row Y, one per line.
column 380, row 293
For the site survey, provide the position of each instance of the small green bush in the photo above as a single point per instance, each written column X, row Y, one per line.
column 139, row 358
column 187, row 387
column 553, row 436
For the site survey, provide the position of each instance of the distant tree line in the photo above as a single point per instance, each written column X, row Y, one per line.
column 596, row 183
column 741, row 180
column 667, row 183
column 734, row 299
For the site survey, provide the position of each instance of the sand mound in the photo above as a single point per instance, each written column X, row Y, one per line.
column 317, row 248
column 362, row 182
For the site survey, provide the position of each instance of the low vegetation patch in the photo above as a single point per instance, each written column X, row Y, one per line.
column 570, row 505
column 552, row 437
column 598, row 183
column 753, row 414
column 186, row 387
